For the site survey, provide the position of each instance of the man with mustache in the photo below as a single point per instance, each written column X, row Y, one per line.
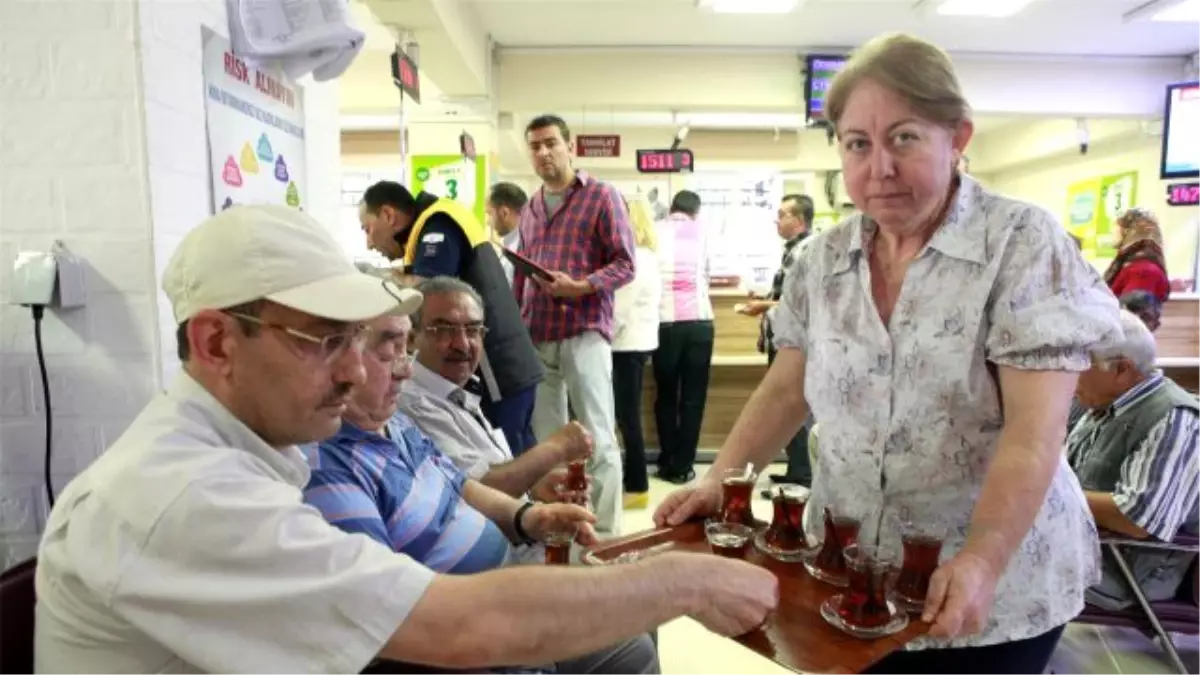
column 436, row 236
column 443, row 399
column 186, row 547
column 577, row 228
column 380, row 476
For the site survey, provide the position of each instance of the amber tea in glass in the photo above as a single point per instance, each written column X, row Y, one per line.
column 840, row 532
column 786, row 533
column 736, row 488
column 871, row 573
column 922, row 544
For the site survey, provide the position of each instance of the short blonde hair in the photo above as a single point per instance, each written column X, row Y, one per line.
column 914, row 69
column 641, row 220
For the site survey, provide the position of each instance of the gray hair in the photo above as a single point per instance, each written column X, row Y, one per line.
column 1134, row 343
column 443, row 286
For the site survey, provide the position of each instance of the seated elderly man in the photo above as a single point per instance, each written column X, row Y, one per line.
column 448, row 341
column 1145, row 306
column 186, row 546
column 1135, row 455
column 380, row 476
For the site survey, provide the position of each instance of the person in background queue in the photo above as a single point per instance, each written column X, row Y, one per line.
column 439, row 237
column 683, row 361
column 938, row 334
column 794, row 224
column 635, row 337
column 577, row 228
column 1140, row 264
column 504, row 205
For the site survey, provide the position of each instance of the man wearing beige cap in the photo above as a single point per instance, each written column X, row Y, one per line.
column 186, row 547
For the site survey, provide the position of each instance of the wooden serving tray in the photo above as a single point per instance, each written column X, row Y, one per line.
column 796, row 636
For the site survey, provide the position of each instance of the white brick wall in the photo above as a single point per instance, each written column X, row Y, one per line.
column 102, row 132
column 71, row 169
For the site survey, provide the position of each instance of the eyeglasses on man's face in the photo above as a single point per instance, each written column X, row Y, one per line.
column 326, row 348
column 448, row 331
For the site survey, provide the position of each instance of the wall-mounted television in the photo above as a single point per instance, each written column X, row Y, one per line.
column 819, row 70
column 1181, row 132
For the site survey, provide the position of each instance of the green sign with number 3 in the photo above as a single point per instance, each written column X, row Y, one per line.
column 452, row 177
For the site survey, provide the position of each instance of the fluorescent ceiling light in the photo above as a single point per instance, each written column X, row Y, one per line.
column 750, row 6
column 1188, row 10
column 981, row 8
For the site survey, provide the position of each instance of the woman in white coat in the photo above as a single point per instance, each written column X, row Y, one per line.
column 635, row 337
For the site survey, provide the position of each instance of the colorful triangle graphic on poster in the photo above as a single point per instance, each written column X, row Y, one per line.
column 293, row 195
column 281, row 172
column 231, row 174
column 228, row 203
column 265, row 153
column 249, row 160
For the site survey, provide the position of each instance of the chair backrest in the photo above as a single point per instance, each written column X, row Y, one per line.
column 17, row 599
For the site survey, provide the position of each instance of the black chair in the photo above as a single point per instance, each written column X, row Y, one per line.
column 17, row 599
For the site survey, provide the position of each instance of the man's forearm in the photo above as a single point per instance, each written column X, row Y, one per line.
column 1013, row 492
column 775, row 412
column 612, row 276
column 494, row 505
column 515, row 478
column 1108, row 516
column 531, row 615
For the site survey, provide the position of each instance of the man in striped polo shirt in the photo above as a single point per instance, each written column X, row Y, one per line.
column 382, row 477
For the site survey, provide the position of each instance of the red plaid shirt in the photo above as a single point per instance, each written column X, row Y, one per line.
column 588, row 237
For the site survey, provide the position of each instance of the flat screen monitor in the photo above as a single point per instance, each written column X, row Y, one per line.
column 820, row 70
column 1181, row 132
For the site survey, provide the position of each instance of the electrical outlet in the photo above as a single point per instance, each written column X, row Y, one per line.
column 53, row 278
column 35, row 274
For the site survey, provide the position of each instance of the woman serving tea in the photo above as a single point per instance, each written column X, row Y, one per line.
column 938, row 335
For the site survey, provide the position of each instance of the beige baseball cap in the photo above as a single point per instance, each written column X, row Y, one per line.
column 277, row 253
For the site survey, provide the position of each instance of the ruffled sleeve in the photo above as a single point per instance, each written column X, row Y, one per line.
column 1049, row 307
column 789, row 320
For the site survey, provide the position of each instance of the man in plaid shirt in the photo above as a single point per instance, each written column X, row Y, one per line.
column 577, row 229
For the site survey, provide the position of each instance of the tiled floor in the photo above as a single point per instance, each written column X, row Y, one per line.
column 686, row 647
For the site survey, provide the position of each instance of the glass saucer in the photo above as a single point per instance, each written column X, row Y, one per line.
column 910, row 606
column 829, row 611
column 821, row 575
column 787, row 556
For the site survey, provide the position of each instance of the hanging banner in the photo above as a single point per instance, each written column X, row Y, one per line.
column 255, row 121
column 1093, row 207
column 453, row 177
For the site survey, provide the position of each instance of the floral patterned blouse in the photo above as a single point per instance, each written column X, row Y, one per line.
column 910, row 413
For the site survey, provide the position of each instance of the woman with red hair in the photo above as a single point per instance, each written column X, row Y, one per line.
column 1140, row 264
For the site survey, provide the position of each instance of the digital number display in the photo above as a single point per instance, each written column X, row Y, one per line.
column 1183, row 194
column 405, row 75
column 665, row 161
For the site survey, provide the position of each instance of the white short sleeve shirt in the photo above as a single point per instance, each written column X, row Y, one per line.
column 187, row 547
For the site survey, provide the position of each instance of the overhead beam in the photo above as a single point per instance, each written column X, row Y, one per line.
column 716, row 81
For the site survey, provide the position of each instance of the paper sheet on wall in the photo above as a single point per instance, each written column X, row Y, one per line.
column 299, row 36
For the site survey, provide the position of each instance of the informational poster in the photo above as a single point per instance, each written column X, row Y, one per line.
column 453, row 177
column 255, row 130
column 1093, row 207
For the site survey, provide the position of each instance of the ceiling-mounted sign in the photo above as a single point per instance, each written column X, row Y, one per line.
column 592, row 145
column 1183, row 194
column 665, row 161
column 466, row 145
column 405, row 75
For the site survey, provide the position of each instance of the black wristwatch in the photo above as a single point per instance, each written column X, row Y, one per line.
column 519, row 529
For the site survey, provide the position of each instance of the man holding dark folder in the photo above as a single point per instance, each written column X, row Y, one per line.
column 434, row 237
column 575, row 228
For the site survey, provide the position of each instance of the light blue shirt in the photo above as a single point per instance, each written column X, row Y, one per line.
column 512, row 242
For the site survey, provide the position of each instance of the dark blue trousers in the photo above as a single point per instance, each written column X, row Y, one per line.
column 514, row 416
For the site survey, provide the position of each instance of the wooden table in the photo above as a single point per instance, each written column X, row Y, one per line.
column 796, row 637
